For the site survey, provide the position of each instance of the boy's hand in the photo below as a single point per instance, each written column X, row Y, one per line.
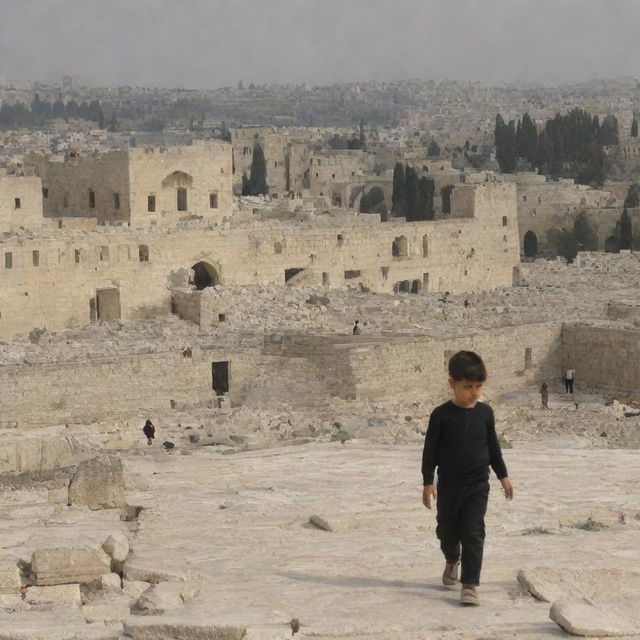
column 429, row 493
column 507, row 487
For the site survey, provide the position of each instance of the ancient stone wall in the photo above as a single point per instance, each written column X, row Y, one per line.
column 377, row 367
column 203, row 169
column 94, row 186
column 20, row 203
column 87, row 390
column 139, row 187
column 63, row 288
column 603, row 357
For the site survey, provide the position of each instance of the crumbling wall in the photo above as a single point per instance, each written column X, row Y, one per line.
column 515, row 357
column 203, row 168
column 603, row 357
column 88, row 390
column 20, row 203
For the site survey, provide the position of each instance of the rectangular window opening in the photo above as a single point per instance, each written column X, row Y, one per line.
column 220, row 377
column 8, row 260
column 151, row 204
column 213, row 200
column 181, row 197
column 92, row 199
column 116, row 201
column 17, row 203
column 36, row 258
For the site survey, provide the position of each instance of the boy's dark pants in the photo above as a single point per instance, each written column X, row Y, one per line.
column 461, row 510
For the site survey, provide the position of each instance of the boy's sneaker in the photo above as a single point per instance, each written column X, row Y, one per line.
column 450, row 575
column 469, row 595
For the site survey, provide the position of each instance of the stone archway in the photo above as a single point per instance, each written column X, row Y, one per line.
column 204, row 275
column 530, row 244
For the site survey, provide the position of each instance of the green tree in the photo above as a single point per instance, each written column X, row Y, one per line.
column 257, row 184
column 399, row 195
column 413, row 194
column 433, row 150
column 632, row 201
column 564, row 243
column 626, row 231
column 585, row 237
column 634, row 126
column 427, row 189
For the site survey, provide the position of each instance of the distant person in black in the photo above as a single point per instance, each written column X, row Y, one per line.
column 356, row 331
column 461, row 442
column 150, row 431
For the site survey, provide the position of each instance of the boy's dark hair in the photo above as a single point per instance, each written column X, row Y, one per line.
column 467, row 365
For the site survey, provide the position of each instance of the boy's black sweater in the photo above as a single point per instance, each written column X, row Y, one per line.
column 462, row 443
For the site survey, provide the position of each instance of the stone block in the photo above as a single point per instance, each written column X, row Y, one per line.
column 111, row 583
column 160, row 598
column 108, row 610
column 69, row 564
column 117, row 546
column 9, row 575
column 98, row 483
column 592, row 619
column 62, row 595
column 170, row 628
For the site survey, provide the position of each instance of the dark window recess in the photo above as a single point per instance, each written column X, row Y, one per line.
column 143, row 253
column 45, row 192
column 213, row 201
column 36, row 258
column 352, row 273
column 17, row 203
column 151, row 203
column 221, row 317
column 116, row 200
column 289, row 273
column 504, row 221
column 92, row 199
column 220, row 377
column 181, row 195
column 8, row 260
column 77, row 256
column 104, row 254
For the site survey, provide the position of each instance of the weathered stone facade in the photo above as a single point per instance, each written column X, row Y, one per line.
column 138, row 187
column 20, row 203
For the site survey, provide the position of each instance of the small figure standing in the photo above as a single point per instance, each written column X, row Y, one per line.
column 356, row 328
column 569, row 378
column 150, row 431
column 461, row 441
column 544, row 395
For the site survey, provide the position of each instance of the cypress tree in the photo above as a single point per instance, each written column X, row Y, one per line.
column 585, row 237
column 399, row 195
column 433, row 150
column 634, row 126
column 529, row 140
column 632, row 201
column 258, row 175
column 427, row 189
column 626, row 232
column 413, row 195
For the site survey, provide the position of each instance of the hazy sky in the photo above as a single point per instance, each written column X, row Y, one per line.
column 211, row 43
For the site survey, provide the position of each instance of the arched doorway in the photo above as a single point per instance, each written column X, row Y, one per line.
column 530, row 244
column 204, row 275
column 612, row 245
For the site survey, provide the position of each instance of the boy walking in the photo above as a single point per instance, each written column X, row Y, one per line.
column 461, row 442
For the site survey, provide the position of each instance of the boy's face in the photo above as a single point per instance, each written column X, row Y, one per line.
column 466, row 392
